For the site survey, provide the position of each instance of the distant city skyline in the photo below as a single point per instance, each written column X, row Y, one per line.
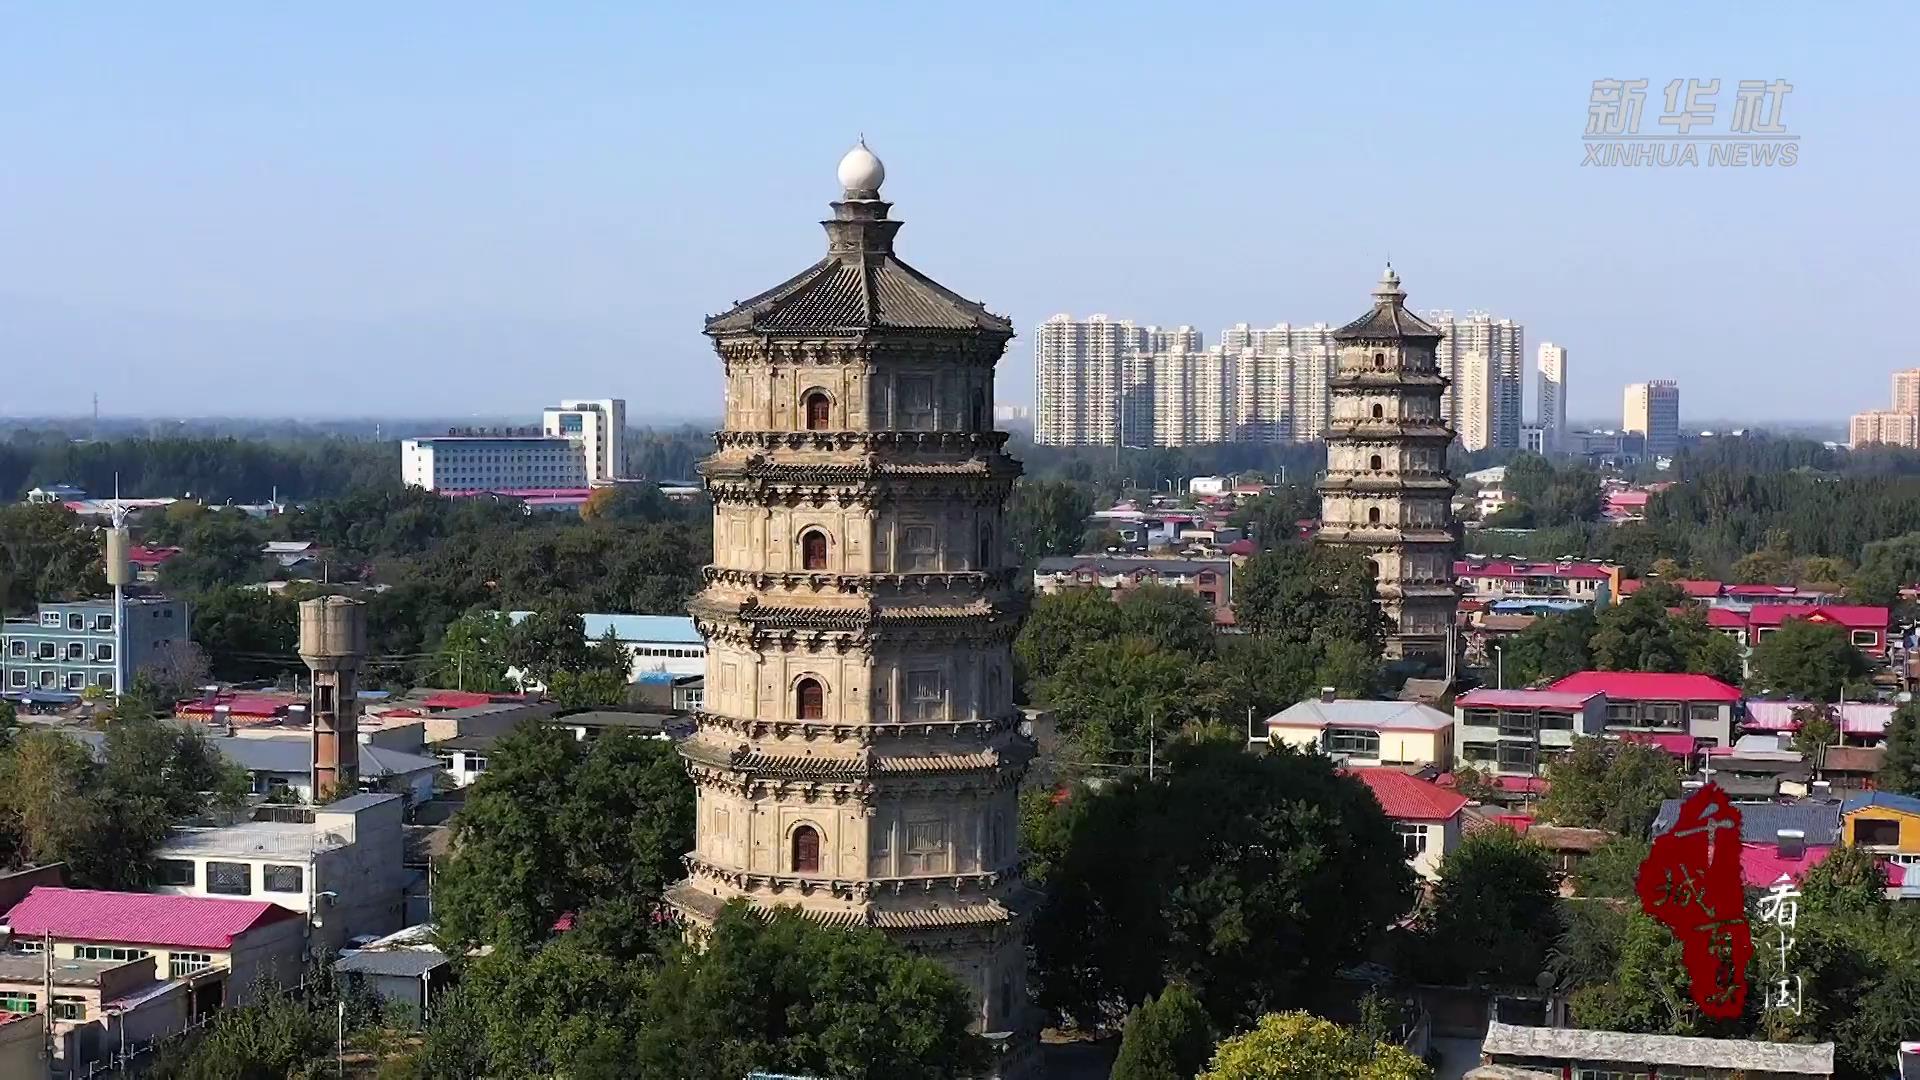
column 393, row 210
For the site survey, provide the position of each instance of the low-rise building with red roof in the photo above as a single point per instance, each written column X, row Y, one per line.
column 1425, row 815
column 1866, row 625
column 221, row 948
column 1568, row 578
column 1662, row 702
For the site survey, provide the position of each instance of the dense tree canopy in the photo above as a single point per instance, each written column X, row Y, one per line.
column 1248, row 877
column 1810, row 660
column 1169, row 1037
column 1493, row 915
column 1299, row 1046
column 1604, row 784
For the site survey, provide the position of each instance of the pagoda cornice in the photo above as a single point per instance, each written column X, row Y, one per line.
column 1387, row 380
column 811, row 776
column 1388, row 430
column 977, row 894
column 892, row 345
column 946, row 442
column 874, row 585
column 980, row 730
column 1388, row 484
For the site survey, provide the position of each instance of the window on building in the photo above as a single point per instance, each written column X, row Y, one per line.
column 810, row 700
column 31, row 946
column 180, row 872
column 916, row 405
column 819, row 411
column 116, row 953
column 985, row 560
column 282, row 878
column 69, row 1007
column 76, row 650
column 1379, row 412
column 50, row 618
column 13, row 1001
column 1480, row 717
column 1516, row 722
column 1623, row 713
column 1556, row 721
column 182, row 964
column 978, row 418
column 103, row 653
column 1517, row 757
column 49, row 679
column 76, row 621
column 476, row 763
column 1703, row 712
column 104, row 680
column 880, row 850
column 926, row 695
column 1413, row 838
column 926, row 851
column 17, row 677
column 806, row 850
column 1876, row 832
column 1351, row 742
column 1373, row 515
column 17, row 647
column 1613, row 1074
column 103, row 622
column 1375, row 463
column 47, row 651
column 919, row 549
column 813, row 550
column 76, row 680
column 1866, row 637
column 1666, row 714
column 230, row 878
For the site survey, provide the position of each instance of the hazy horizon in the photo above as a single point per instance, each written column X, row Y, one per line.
column 361, row 210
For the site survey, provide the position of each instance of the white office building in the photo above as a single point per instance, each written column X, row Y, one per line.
column 1653, row 409
column 599, row 426
column 1551, row 369
column 1501, row 342
column 469, row 463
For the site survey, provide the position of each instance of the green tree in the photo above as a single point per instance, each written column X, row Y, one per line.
column 1060, row 623
column 1174, row 620
column 625, row 502
column 780, row 993
column 1886, row 567
column 473, row 653
column 1046, row 518
column 548, row 642
column 46, row 555
column 1648, row 992
column 1636, row 635
column 1110, row 697
column 1552, row 647
column 1272, row 520
column 1816, row 732
column 1299, row 1046
column 1251, row 878
column 277, row 1036
column 1493, row 917
column 541, row 1013
column 247, row 634
column 1900, row 768
column 1611, row 869
column 1302, row 593
column 1603, row 784
column 552, row 829
column 1808, row 659
column 1167, row 1038
column 1706, row 651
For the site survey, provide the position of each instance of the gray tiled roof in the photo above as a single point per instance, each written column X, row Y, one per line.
column 293, row 754
column 399, row 962
column 857, row 290
column 1568, row 1044
column 1761, row 822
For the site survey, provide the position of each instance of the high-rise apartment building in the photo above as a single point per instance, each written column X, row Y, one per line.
column 1899, row 426
column 1906, row 391
column 1551, row 369
column 1652, row 409
column 1090, row 376
column 1473, row 401
column 1881, row 427
column 1502, row 342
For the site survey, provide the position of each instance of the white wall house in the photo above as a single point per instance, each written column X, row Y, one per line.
column 467, row 463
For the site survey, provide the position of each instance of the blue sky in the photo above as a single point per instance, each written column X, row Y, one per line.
column 466, row 207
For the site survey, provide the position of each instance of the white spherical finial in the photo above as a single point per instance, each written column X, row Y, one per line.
column 860, row 170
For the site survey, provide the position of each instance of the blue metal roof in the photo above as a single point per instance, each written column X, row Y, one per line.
column 1762, row 822
column 1906, row 804
column 665, row 629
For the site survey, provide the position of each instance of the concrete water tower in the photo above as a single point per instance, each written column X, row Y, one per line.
column 333, row 640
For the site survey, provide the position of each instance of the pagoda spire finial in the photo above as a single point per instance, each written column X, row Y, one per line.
column 1389, row 290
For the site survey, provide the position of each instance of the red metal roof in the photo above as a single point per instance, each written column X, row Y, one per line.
column 1524, row 699
column 1851, row 616
column 148, row 555
column 187, row 922
column 1647, row 686
column 463, row 699
column 1521, row 785
column 239, row 706
column 1409, row 798
column 1761, row 865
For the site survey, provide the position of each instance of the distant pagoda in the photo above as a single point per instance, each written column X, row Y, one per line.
column 1387, row 492
column 859, row 754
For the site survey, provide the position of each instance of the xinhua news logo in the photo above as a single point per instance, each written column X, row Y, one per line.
column 1687, row 132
